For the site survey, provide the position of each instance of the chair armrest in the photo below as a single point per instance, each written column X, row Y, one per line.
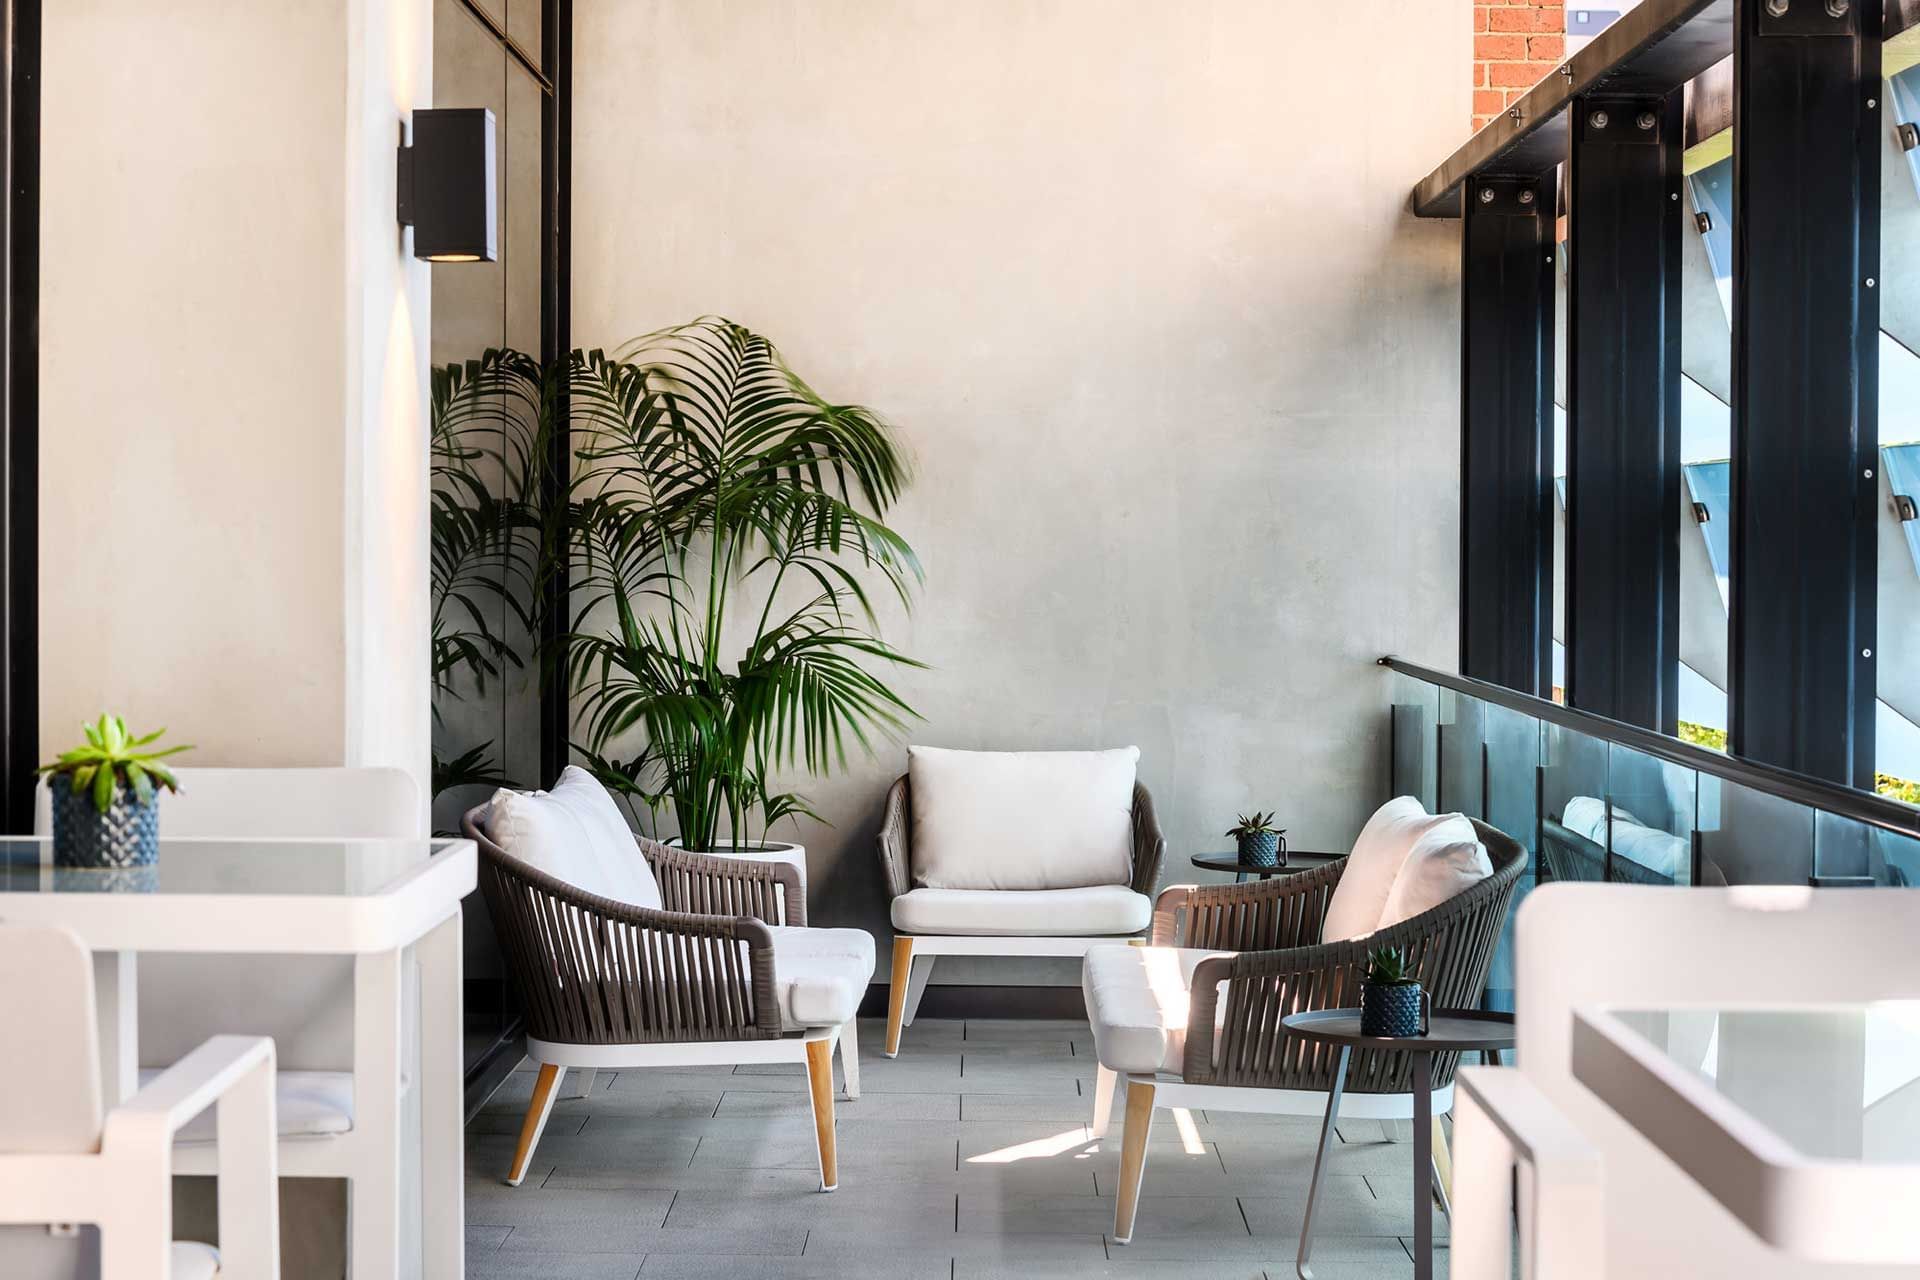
column 1285, row 911
column 590, row 970
column 1262, row 988
column 894, row 825
column 701, row 884
column 1149, row 844
column 234, row 1075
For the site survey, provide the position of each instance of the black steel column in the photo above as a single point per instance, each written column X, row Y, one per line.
column 1506, row 432
column 1623, row 411
column 1807, row 115
column 20, row 426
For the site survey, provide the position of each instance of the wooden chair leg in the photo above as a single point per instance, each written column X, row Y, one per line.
column 545, row 1091
column 850, row 1055
column 897, row 990
column 820, row 1087
column 1104, row 1079
column 1443, row 1166
column 1133, row 1158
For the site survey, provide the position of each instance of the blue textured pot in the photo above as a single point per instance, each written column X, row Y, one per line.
column 1397, row 1011
column 126, row 835
column 1259, row 849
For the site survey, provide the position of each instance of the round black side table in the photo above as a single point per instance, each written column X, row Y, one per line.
column 1297, row 860
column 1448, row 1031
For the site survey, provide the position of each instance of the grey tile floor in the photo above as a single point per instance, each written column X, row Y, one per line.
column 965, row 1158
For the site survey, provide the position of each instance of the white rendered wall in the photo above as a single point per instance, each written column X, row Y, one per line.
column 1178, row 369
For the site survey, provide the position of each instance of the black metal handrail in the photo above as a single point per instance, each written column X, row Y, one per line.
column 1815, row 793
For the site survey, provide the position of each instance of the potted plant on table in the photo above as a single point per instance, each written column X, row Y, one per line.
column 727, row 523
column 1261, row 844
column 106, row 806
column 1391, row 1001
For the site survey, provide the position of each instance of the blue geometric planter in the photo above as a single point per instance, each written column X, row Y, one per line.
column 126, row 835
column 1397, row 1011
column 1259, row 849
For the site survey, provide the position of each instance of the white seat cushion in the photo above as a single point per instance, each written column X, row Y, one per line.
column 819, row 975
column 1021, row 819
column 1097, row 911
column 194, row 1261
column 307, row 1104
column 1137, row 1002
column 575, row 833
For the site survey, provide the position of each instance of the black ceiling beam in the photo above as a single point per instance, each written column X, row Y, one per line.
column 1649, row 51
column 1808, row 106
column 1506, row 436
column 1623, row 411
column 1653, row 49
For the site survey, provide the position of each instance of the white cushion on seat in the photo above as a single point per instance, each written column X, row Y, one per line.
column 1095, row 911
column 819, row 975
column 1380, row 853
column 1021, row 819
column 194, row 1261
column 575, row 833
column 307, row 1104
column 1447, row 860
column 1137, row 1001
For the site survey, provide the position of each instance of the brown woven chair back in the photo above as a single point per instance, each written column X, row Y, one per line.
column 1450, row 947
column 589, row 970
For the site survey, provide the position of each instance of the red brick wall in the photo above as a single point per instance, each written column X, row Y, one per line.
column 1515, row 42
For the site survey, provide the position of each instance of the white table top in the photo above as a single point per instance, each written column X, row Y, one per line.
column 1803, row 1122
column 288, row 896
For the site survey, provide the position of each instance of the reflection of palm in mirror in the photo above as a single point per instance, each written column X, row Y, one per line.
column 491, row 533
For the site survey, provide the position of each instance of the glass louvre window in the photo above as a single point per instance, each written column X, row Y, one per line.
column 1707, row 484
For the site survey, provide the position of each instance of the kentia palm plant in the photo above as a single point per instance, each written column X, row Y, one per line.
column 719, row 497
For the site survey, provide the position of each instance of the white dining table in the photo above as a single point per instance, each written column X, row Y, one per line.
column 377, row 901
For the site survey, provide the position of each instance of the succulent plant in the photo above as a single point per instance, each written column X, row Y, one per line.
column 1387, row 967
column 1254, row 824
column 112, row 756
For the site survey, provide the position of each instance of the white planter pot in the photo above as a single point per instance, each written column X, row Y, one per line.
column 794, row 855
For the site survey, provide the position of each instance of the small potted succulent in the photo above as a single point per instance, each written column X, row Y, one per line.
column 1391, row 1001
column 1261, row 843
column 106, row 806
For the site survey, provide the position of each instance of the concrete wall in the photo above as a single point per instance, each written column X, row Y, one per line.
column 1139, row 286
column 233, row 478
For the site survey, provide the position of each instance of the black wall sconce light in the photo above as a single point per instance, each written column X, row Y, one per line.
column 447, row 189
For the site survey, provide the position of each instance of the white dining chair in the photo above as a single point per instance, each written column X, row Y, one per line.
column 339, row 1101
column 67, row 1159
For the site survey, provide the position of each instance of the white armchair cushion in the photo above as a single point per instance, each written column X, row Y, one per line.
column 1447, row 860
column 1380, row 856
column 1021, row 819
column 307, row 1104
column 819, row 975
column 1095, row 911
column 1137, row 999
column 575, row 833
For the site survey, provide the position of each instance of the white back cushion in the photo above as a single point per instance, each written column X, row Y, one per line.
column 1021, row 819
column 575, row 833
column 1380, row 856
column 1447, row 859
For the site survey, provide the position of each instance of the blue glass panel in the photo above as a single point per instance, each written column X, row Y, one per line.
column 1902, row 462
column 1713, row 196
column 1708, row 484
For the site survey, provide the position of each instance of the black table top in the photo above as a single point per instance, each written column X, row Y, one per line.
column 1450, row 1030
column 1297, row 860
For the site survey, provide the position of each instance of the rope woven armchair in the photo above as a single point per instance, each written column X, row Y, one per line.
column 1262, row 943
column 711, row 977
column 1052, row 926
